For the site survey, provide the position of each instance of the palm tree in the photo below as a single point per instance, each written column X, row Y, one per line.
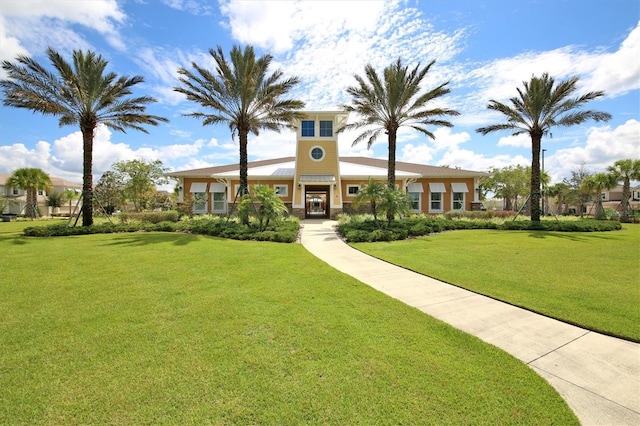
column 625, row 170
column 559, row 191
column 83, row 95
column 596, row 184
column 386, row 103
column 31, row 180
column 242, row 95
column 541, row 106
column 372, row 193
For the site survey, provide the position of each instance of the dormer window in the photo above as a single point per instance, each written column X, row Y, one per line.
column 307, row 128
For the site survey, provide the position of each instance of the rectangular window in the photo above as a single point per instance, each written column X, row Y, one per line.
column 458, row 201
column 416, row 201
column 352, row 190
column 308, row 128
column 326, row 128
column 281, row 190
column 219, row 202
column 15, row 191
column 435, row 202
column 40, row 192
column 199, row 202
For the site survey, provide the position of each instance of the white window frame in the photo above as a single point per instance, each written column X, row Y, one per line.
column 324, row 154
column 15, row 191
column 282, row 189
column 417, row 198
column 436, row 188
column 204, row 199
column 431, row 201
column 320, row 128
column 454, row 201
column 223, row 200
column 349, row 193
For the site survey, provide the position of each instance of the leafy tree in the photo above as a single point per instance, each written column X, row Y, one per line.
column 596, row 184
column 625, row 170
column 508, row 183
column 55, row 200
column 31, row 180
column 372, row 193
column 539, row 107
column 138, row 180
column 578, row 195
column 79, row 94
column 385, row 103
column 242, row 95
column 109, row 192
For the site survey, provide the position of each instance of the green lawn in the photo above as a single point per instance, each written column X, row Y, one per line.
column 160, row 328
column 591, row 279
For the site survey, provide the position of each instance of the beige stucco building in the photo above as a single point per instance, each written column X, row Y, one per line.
column 317, row 182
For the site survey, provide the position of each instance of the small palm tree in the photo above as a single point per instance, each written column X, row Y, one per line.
column 596, row 184
column 372, row 193
column 242, row 95
column 386, row 103
column 539, row 107
column 559, row 191
column 625, row 170
column 83, row 95
column 31, row 180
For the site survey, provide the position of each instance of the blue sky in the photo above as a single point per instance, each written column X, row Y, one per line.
column 485, row 48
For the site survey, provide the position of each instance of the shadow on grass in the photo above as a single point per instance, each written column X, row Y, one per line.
column 139, row 239
column 572, row 236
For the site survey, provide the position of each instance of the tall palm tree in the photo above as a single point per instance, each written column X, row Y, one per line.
column 386, row 103
column 83, row 95
column 31, row 180
column 625, row 170
column 242, row 95
column 539, row 107
column 596, row 184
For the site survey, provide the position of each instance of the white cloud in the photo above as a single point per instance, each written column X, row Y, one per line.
column 38, row 24
column 523, row 140
column 352, row 35
column 615, row 73
column 602, row 148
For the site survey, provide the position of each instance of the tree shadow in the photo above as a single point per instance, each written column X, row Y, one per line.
column 139, row 239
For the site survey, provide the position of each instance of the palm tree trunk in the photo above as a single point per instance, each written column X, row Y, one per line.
column 626, row 194
column 87, row 174
column 391, row 166
column 244, row 159
column 32, row 203
column 391, row 163
column 536, row 142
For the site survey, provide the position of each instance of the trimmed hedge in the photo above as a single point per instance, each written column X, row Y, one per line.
column 285, row 231
column 367, row 230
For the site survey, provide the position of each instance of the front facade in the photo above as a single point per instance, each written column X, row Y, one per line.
column 318, row 183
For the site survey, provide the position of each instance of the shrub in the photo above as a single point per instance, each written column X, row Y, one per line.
column 151, row 217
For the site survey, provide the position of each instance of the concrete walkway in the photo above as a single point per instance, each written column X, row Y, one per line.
column 598, row 375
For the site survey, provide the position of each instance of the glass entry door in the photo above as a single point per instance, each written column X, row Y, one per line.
column 316, row 202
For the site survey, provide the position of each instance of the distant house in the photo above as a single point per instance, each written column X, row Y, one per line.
column 613, row 198
column 17, row 197
column 318, row 183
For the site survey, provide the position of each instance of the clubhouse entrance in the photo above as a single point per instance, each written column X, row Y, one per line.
column 316, row 202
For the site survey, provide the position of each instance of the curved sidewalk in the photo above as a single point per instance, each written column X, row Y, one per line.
column 598, row 375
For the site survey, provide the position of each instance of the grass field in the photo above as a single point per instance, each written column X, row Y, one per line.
column 591, row 279
column 153, row 328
